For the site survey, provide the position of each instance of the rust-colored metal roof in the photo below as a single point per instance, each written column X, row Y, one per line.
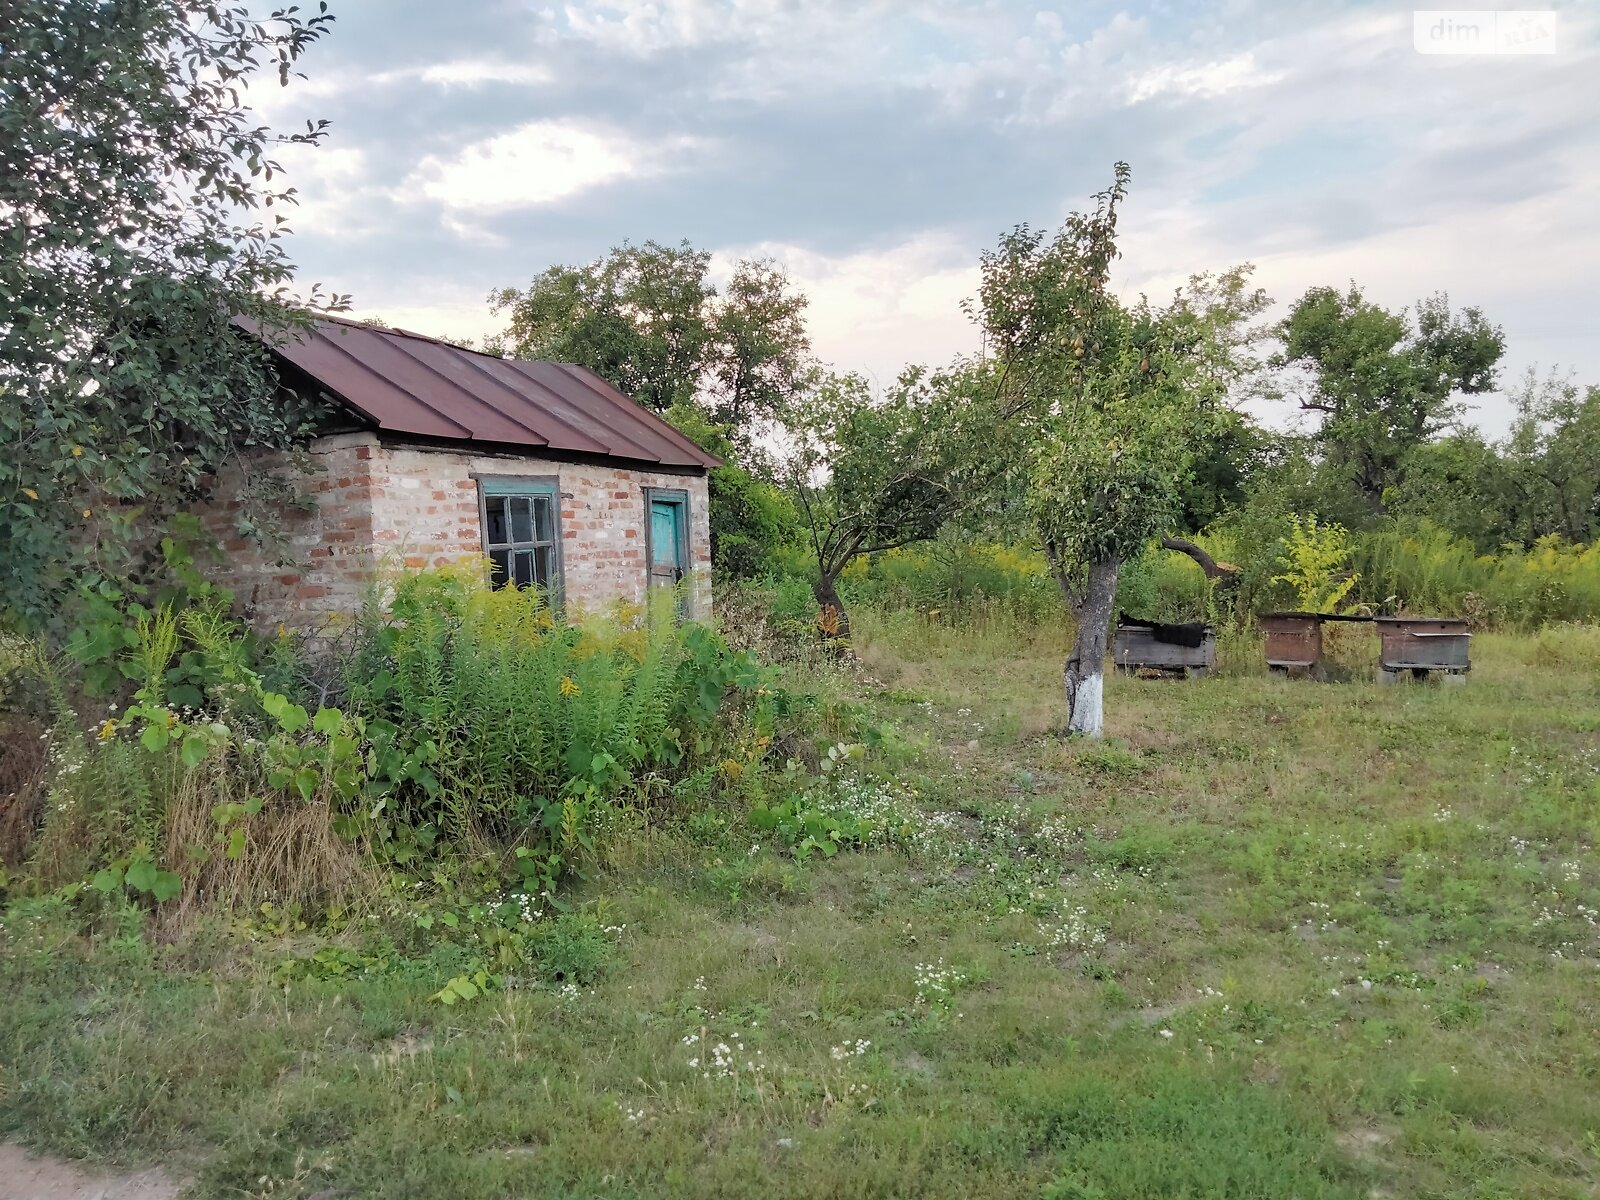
column 407, row 383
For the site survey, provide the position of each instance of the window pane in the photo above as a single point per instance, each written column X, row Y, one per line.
column 521, row 519
column 545, row 565
column 494, row 511
column 499, row 567
column 544, row 519
column 523, row 565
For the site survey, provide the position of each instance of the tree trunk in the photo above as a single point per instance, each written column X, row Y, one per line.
column 832, row 621
column 1084, row 675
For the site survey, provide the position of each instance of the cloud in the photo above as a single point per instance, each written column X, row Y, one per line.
column 876, row 148
column 540, row 163
column 877, row 310
column 475, row 72
column 1203, row 81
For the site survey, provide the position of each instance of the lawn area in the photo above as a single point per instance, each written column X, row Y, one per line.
column 1268, row 939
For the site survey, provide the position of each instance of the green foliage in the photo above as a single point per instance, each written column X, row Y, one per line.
column 137, row 873
column 955, row 579
column 870, row 475
column 1428, row 569
column 1159, row 585
column 752, row 522
column 1383, row 382
column 573, row 948
column 649, row 319
column 1553, row 458
column 485, row 715
column 1462, row 483
column 119, row 289
column 1105, row 407
column 1315, row 561
column 807, row 827
column 466, row 714
column 111, row 624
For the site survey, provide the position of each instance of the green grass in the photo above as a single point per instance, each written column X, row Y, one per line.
column 1270, row 939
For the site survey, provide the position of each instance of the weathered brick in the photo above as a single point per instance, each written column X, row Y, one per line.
column 393, row 507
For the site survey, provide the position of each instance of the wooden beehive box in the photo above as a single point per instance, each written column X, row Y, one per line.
column 1294, row 640
column 1423, row 644
column 1136, row 646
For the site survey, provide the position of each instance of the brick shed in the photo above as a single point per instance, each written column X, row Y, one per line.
column 542, row 472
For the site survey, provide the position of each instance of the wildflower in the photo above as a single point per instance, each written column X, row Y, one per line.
column 568, row 687
column 1166, row 1033
column 107, row 731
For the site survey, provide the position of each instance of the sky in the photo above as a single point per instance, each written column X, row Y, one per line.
column 877, row 147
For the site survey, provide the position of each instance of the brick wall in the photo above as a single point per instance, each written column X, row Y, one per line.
column 380, row 507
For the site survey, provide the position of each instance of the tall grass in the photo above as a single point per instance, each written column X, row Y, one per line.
column 509, row 711
column 1418, row 568
column 956, row 580
column 1428, row 569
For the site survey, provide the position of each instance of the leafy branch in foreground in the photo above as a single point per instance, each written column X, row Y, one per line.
column 144, row 212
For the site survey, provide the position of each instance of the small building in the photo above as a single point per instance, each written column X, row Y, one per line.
column 433, row 454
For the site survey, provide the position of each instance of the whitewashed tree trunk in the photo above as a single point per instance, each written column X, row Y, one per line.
column 1084, row 675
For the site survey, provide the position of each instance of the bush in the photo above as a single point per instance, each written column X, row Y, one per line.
column 465, row 719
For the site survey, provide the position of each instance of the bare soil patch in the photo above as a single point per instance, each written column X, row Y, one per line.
column 25, row 1176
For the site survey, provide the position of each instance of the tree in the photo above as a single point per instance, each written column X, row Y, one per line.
column 1462, row 483
column 139, row 198
column 869, row 474
column 761, row 346
column 649, row 319
column 1553, row 456
column 1381, row 382
column 1105, row 406
column 640, row 317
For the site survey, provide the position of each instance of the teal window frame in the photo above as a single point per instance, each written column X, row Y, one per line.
column 536, row 488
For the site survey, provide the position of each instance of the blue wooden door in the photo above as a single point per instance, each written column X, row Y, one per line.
column 667, row 543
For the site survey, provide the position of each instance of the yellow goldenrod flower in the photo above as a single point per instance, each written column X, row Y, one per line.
column 568, row 688
column 108, row 730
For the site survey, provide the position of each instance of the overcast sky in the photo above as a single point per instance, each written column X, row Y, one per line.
column 877, row 147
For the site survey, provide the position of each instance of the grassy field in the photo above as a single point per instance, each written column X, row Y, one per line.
column 1269, row 939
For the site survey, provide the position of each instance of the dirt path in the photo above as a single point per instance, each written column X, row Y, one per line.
column 25, row 1177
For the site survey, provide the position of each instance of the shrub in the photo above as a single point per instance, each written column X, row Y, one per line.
column 574, row 949
column 466, row 718
column 1314, row 561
